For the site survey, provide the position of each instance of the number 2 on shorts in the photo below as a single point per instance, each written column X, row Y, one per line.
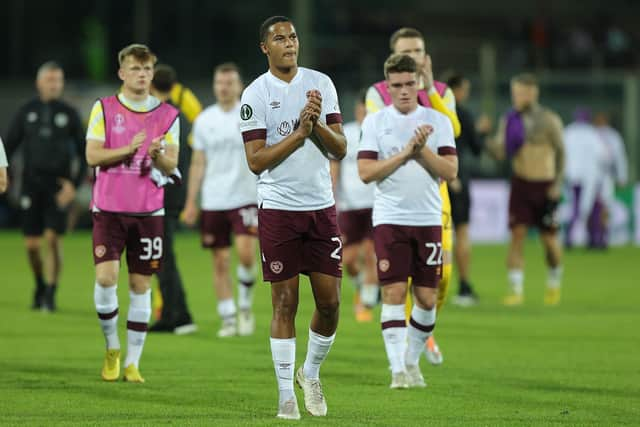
column 336, row 254
column 436, row 253
column 152, row 248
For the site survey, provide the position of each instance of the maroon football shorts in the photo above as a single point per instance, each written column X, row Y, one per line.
column 216, row 226
column 355, row 225
column 140, row 235
column 405, row 251
column 528, row 202
column 294, row 242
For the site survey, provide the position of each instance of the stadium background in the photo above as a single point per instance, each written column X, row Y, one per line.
column 584, row 56
column 576, row 365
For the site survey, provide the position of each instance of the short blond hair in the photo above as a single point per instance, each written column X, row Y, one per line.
column 404, row 33
column 139, row 52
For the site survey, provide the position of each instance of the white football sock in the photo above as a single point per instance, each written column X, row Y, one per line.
column 137, row 325
column 369, row 295
column 283, row 353
column 554, row 278
column 317, row 351
column 106, row 300
column 420, row 328
column 227, row 310
column 246, row 277
column 394, row 333
column 516, row 280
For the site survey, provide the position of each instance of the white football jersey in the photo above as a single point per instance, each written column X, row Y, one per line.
column 270, row 111
column 619, row 163
column 586, row 157
column 352, row 192
column 410, row 195
column 228, row 183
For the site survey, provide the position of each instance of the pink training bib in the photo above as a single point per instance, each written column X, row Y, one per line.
column 127, row 187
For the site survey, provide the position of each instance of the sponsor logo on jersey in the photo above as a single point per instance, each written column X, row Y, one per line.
column 118, row 124
column 285, row 128
column 246, row 112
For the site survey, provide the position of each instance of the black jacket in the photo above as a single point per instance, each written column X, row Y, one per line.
column 176, row 195
column 468, row 143
column 52, row 136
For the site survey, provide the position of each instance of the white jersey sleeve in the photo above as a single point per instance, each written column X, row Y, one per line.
column 446, row 142
column 199, row 136
column 369, row 147
column 330, row 104
column 253, row 120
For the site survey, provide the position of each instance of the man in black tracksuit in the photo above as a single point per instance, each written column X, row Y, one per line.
column 175, row 315
column 52, row 139
column 469, row 144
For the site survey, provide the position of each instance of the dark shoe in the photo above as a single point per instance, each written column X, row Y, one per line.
column 185, row 326
column 38, row 298
column 466, row 297
column 49, row 298
column 162, row 326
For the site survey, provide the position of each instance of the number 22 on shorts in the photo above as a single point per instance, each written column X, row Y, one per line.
column 435, row 258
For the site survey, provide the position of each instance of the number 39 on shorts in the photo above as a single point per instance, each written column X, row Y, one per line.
column 151, row 248
column 435, row 257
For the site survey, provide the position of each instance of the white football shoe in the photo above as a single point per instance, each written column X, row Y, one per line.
column 228, row 329
column 414, row 377
column 246, row 323
column 399, row 381
column 432, row 352
column 313, row 397
column 466, row 300
column 288, row 410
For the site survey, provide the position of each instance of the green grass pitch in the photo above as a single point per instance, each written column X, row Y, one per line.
column 575, row 364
